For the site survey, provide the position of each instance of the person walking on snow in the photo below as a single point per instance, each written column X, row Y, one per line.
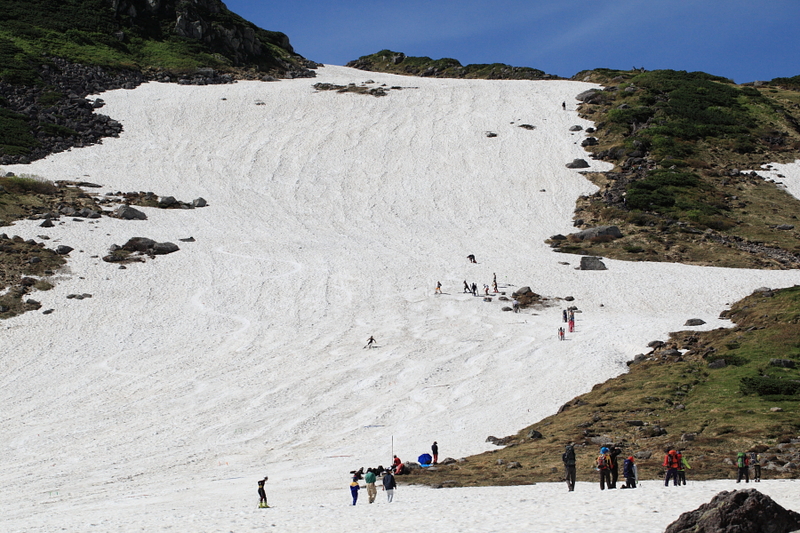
column 370, row 342
column 435, row 452
column 389, row 484
column 438, row 288
column 369, row 479
column 466, row 287
column 474, row 289
column 262, row 501
column 354, row 489
column 561, row 334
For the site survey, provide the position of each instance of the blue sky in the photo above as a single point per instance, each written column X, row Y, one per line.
column 742, row 40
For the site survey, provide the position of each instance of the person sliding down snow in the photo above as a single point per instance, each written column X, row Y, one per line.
column 370, row 342
column 262, row 502
column 466, row 287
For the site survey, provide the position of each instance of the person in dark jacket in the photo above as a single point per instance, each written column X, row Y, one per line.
column 435, row 452
column 389, row 484
column 613, row 454
column 262, row 502
column 568, row 458
column 629, row 472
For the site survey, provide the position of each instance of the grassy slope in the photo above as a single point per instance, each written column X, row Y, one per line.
column 675, row 138
column 680, row 394
column 86, row 32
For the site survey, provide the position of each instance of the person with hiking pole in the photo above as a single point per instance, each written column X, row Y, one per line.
column 568, row 458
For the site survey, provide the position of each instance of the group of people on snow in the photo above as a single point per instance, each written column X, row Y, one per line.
column 675, row 467
column 387, row 475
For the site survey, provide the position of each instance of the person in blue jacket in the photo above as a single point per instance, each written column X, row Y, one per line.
column 389, row 484
column 354, row 489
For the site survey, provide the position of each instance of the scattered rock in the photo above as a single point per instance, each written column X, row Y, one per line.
column 490, row 134
column 575, row 128
column 599, row 231
column 533, row 434
column 776, row 409
column 187, row 239
column 783, row 363
column 64, row 250
column 717, row 363
column 513, row 464
column 695, row 322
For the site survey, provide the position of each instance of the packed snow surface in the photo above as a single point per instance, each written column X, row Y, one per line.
column 159, row 402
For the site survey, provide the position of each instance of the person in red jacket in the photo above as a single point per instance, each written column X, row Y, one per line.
column 397, row 465
column 671, row 463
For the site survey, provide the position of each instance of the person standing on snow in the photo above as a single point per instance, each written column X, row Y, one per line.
column 262, row 501
column 755, row 462
column 683, row 466
column 742, row 463
column 466, row 287
column 435, row 452
column 438, row 288
column 613, row 454
column 389, row 484
column 568, row 458
column 604, row 468
column 671, row 464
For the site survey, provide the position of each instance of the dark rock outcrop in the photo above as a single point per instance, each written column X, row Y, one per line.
column 592, row 263
column 739, row 511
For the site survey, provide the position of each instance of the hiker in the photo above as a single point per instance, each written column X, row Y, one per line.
column 671, row 464
column 742, row 463
column 389, row 484
column 466, row 287
column 564, row 106
column 494, row 287
column 515, row 305
column 683, row 466
column 561, row 334
column 262, row 496
column 471, row 258
column 564, row 315
column 369, row 479
column 630, row 472
column 486, row 289
column 568, row 458
column 435, row 452
column 370, row 342
column 755, row 462
column 474, row 289
column 571, row 325
column 613, row 454
column 604, row 467
column 354, row 489
column 438, row 288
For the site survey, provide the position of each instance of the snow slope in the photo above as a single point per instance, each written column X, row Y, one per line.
column 158, row 403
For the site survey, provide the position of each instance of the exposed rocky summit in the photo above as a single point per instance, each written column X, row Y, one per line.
column 739, row 511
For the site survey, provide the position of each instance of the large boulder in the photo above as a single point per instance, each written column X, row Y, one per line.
column 126, row 212
column 578, row 163
column 592, row 263
column 739, row 511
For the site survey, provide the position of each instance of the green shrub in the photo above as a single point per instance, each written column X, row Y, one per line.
column 764, row 386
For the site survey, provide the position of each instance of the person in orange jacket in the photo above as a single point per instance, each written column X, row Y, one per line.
column 671, row 463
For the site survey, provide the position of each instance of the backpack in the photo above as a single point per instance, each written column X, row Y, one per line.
column 753, row 458
column 741, row 460
column 602, row 462
column 569, row 456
